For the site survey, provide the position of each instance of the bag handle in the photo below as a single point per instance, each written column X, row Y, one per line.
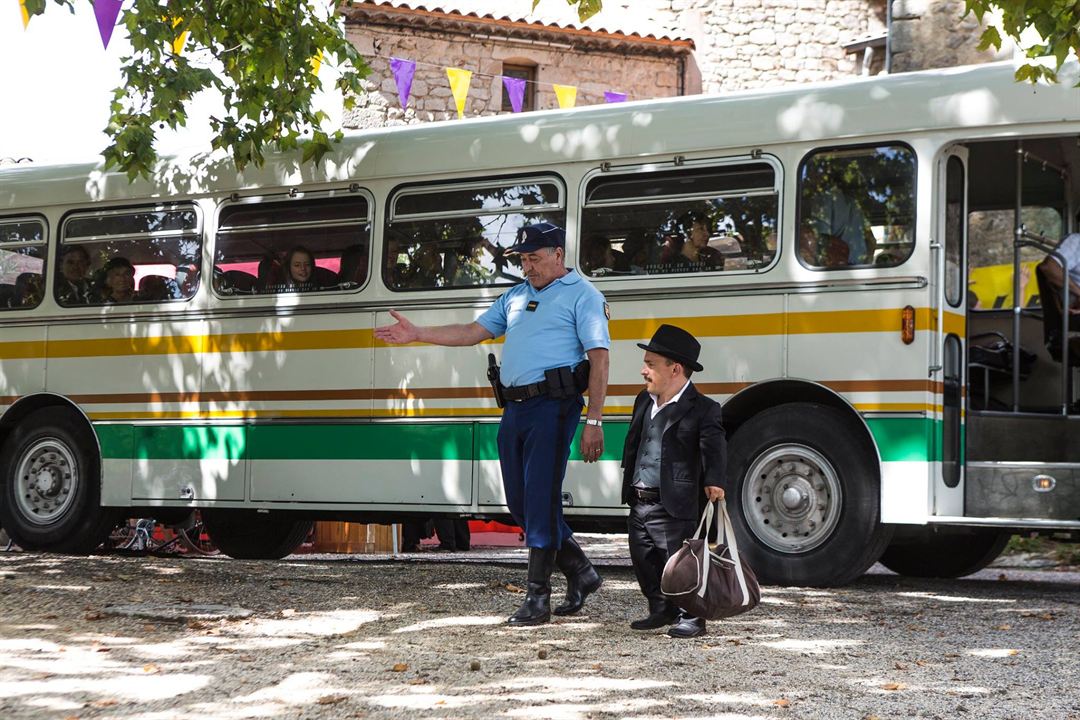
column 733, row 548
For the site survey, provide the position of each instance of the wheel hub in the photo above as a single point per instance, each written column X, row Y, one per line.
column 46, row 480
column 792, row 498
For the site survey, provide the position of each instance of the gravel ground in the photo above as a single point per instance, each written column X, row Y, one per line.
column 423, row 637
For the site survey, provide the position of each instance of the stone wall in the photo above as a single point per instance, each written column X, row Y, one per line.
column 935, row 34
column 591, row 70
column 755, row 43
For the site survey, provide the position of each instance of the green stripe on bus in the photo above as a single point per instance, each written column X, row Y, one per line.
column 897, row 439
column 905, row 438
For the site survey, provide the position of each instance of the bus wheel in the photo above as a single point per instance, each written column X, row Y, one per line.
column 804, row 494
column 50, row 484
column 250, row 535
column 924, row 552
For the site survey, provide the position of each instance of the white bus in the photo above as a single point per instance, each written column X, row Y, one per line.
column 819, row 241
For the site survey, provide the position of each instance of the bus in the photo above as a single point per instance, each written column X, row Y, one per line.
column 204, row 339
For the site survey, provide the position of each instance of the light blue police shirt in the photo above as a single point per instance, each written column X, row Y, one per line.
column 567, row 319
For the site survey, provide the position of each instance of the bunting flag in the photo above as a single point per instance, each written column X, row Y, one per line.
column 316, row 63
column 106, row 12
column 459, row 86
column 178, row 43
column 566, row 95
column 515, row 90
column 25, row 13
column 611, row 96
column 403, row 71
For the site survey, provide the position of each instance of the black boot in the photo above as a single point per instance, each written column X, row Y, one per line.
column 537, row 606
column 581, row 577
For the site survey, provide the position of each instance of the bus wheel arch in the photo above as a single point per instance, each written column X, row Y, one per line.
column 50, row 477
column 804, row 481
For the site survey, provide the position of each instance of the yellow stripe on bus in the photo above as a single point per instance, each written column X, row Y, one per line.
column 405, row 412
column 841, row 321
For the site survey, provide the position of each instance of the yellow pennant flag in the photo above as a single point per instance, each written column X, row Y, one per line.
column 566, row 95
column 178, row 43
column 316, row 62
column 25, row 14
column 459, row 85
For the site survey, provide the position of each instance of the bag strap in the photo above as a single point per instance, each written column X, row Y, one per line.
column 706, row 521
column 733, row 548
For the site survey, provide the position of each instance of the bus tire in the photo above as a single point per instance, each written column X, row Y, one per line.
column 50, row 484
column 250, row 535
column 804, row 496
column 926, row 553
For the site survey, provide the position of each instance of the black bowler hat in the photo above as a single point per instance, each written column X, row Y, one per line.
column 676, row 344
column 540, row 235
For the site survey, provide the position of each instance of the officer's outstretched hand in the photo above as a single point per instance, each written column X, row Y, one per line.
column 592, row 443
column 400, row 332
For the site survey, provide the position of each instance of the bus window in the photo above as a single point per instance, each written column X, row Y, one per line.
column 22, row 263
column 857, row 207
column 269, row 246
column 453, row 236
column 690, row 220
column 140, row 255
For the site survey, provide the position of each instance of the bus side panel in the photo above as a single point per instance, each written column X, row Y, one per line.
column 189, row 462
column 115, row 441
column 22, row 373
column 418, row 384
column 305, row 368
column 130, row 371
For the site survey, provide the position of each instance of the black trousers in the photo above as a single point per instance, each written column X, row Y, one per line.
column 654, row 537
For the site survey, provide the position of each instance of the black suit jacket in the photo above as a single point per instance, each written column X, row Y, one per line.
column 693, row 452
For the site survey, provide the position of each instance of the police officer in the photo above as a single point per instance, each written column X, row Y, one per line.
column 554, row 321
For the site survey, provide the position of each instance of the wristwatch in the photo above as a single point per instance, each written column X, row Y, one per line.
column 594, row 422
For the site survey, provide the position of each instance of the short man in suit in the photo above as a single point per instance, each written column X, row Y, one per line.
column 673, row 461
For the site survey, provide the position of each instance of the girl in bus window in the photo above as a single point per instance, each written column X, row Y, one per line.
column 119, row 283
column 300, row 267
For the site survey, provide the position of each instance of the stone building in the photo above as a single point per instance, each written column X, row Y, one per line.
column 644, row 48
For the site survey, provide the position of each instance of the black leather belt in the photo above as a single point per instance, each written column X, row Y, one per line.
column 517, row 393
column 645, row 494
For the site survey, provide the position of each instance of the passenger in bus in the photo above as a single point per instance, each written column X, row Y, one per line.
column 29, row 290
column 697, row 227
column 300, row 268
column 834, row 231
column 553, row 323
column 155, row 288
column 271, row 278
column 118, row 285
column 636, row 250
column 598, row 258
column 73, row 287
column 354, row 266
column 1051, row 270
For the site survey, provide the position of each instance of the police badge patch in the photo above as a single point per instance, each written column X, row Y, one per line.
column 607, row 311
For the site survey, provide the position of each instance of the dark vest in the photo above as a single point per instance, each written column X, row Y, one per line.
column 647, row 465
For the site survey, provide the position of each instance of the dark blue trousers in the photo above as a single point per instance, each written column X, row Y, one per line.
column 534, row 446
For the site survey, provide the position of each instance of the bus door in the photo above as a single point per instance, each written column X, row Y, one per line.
column 951, row 298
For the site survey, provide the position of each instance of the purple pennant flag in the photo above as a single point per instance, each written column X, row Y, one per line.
column 403, row 71
column 613, row 97
column 106, row 12
column 515, row 89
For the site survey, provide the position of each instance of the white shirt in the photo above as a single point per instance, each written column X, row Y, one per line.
column 656, row 407
column 1070, row 248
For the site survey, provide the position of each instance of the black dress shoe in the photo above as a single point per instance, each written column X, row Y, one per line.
column 654, row 620
column 687, row 627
